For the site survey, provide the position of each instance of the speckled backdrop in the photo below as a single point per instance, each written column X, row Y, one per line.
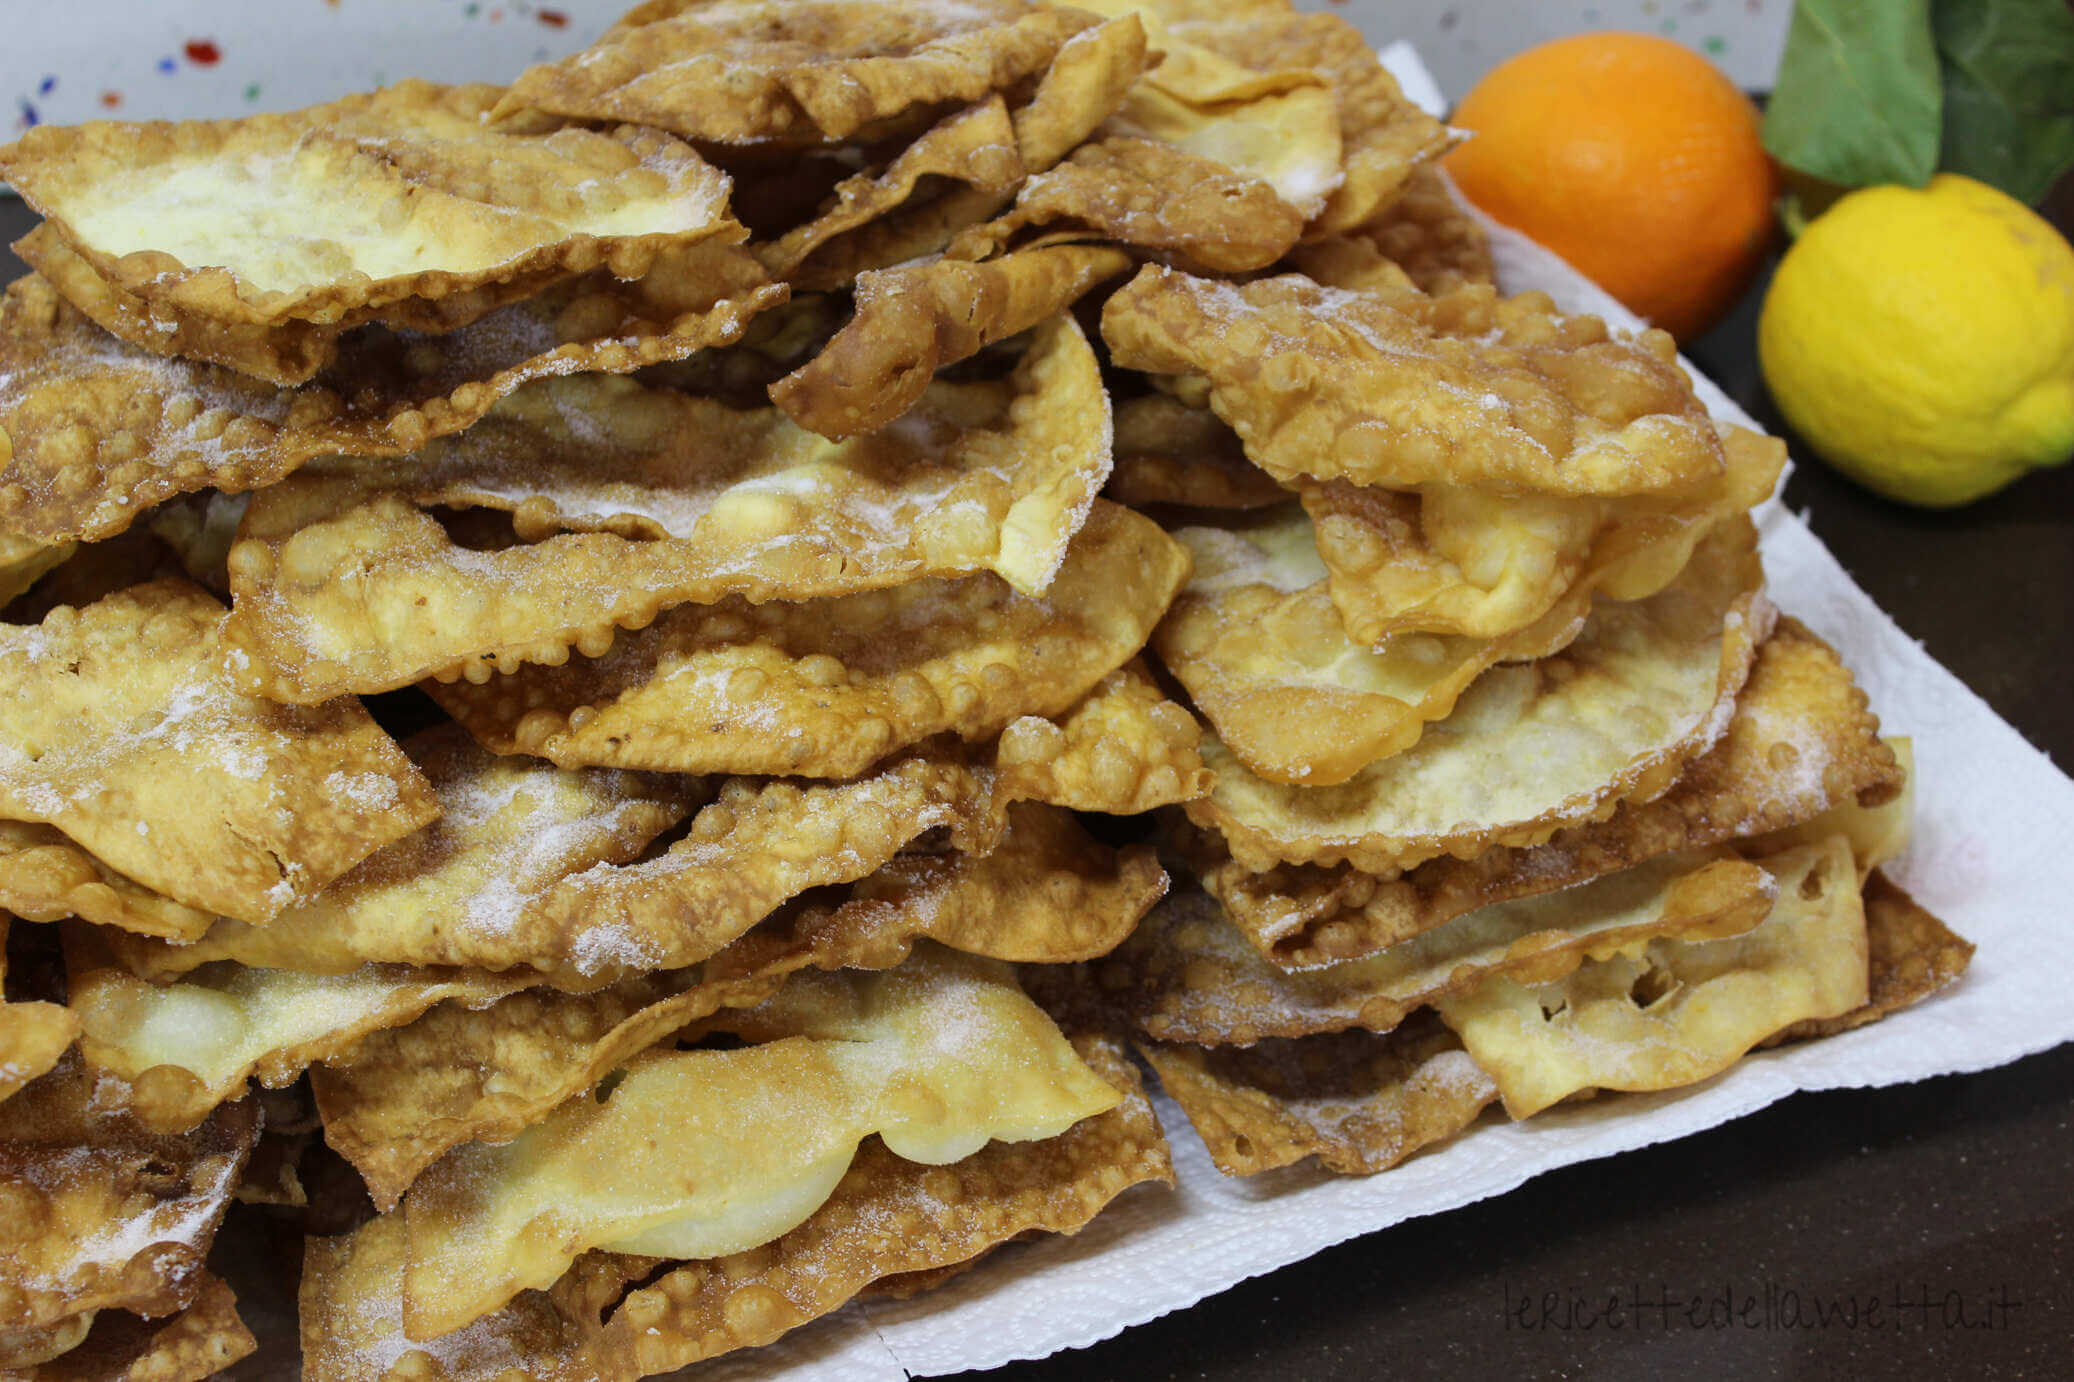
column 85, row 59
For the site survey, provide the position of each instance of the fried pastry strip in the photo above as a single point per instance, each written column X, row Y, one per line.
column 120, row 726
column 1391, row 387
column 1150, row 195
column 913, row 320
column 1046, row 894
column 198, row 1343
column 1189, row 975
column 1256, row 640
column 99, row 430
column 1800, row 743
column 1680, row 1009
column 809, row 72
column 888, row 1218
column 1529, row 749
column 106, row 1215
column 1453, row 560
column 700, row 1153
column 826, row 688
column 627, row 500
column 1123, row 750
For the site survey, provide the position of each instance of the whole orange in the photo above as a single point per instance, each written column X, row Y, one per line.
column 1632, row 157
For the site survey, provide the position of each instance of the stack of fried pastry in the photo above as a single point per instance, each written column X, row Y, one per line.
column 624, row 694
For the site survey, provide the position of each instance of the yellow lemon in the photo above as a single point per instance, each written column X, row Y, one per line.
column 1923, row 341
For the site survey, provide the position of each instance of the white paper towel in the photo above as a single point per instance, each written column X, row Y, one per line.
column 1991, row 856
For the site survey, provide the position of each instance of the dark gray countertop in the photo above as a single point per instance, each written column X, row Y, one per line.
column 1956, row 1190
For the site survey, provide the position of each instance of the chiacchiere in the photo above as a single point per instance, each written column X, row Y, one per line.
column 901, row 559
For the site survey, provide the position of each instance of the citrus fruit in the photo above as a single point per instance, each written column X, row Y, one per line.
column 1922, row 341
column 1633, row 158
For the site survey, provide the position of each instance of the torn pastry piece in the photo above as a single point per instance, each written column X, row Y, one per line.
column 286, row 353
column 975, row 147
column 104, row 1214
column 119, row 725
column 1530, row 748
column 45, row 877
column 1913, row 955
column 887, row 1217
column 1391, row 387
column 100, row 430
column 23, row 560
column 1150, row 195
column 913, row 320
column 1170, row 453
column 625, row 500
column 335, row 213
column 826, row 688
column 509, row 831
column 1424, row 231
column 1123, row 750
column 1800, row 744
column 696, row 1154
column 1280, row 128
column 1085, row 82
column 818, row 71
column 1385, row 137
column 1676, row 1011
column 598, row 908
column 33, row 1035
column 198, row 1343
column 1360, row 1102
column 1256, row 640
column 186, row 1047
column 1189, row 975
column 1449, row 559
column 1046, row 894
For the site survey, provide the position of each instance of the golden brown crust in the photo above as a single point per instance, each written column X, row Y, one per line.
column 1913, row 955
column 1385, row 137
column 46, row 877
column 1151, row 196
column 103, row 1214
column 288, row 353
column 819, row 70
column 1256, row 640
column 1123, row 750
column 913, row 320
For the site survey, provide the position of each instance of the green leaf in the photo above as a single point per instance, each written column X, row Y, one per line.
column 2008, row 91
column 1858, row 99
